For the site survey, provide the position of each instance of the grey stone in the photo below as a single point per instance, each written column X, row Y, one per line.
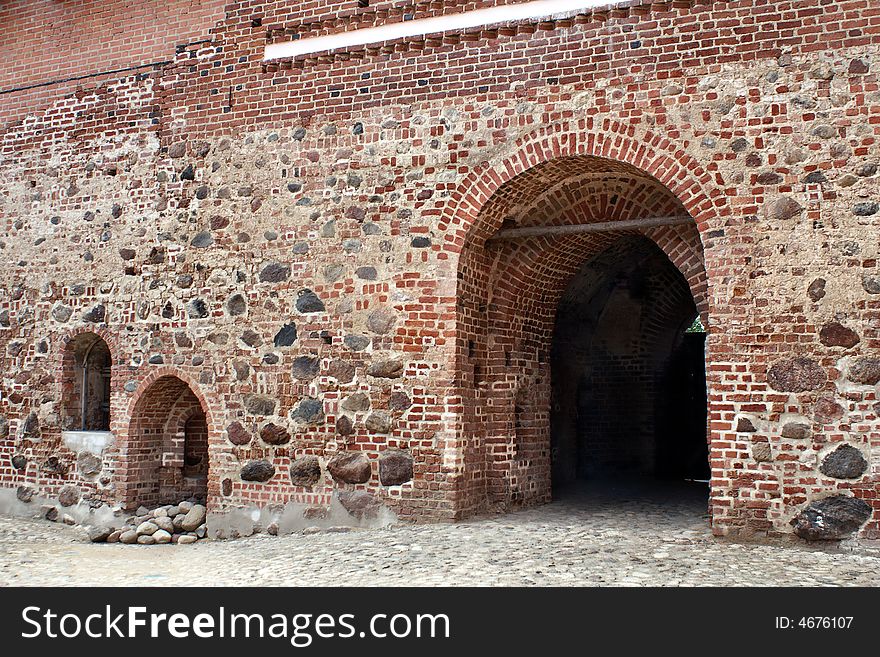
column 816, row 290
column 845, row 462
column 871, row 284
column 399, row 401
column 344, row 426
column 95, row 315
column 333, row 273
column 341, row 370
column 146, row 539
column 305, row 368
column 865, row 209
column 796, row 375
column 761, row 452
column 24, row 494
column 308, row 302
column 381, row 321
column 378, row 423
column 796, row 431
column 366, row 273
column 251, row 338
column 350, row 467
column 831, row 519
column 146, row 528
column 162, row 537
column 286, row 336
column 61, row 313
column 386, row 369
column 865, row 371
column 824, row 131
column 827, row 410
column 31, row 425
column 257, row 471
column 784, row 208
column 357, row 342
column 275, row 272
column 196, row 515
column 128, row 537
column 395, row 468
column 745, row 425
column 202, row 240
column 164, row 523
column 19, row 462
column 99, row 534
column 356, row 402
column 186, row 539
column 305, row 471
column 236, row 305
column 88, row 464
column 68, row 495
column 309, row 411
column 259, row 405
column 359, row 503
column 197, row 309
column 867, row 169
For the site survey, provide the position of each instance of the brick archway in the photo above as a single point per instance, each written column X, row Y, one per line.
column 507, row 293
column 154, row 443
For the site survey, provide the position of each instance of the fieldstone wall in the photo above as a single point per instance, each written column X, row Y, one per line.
column 304, row 246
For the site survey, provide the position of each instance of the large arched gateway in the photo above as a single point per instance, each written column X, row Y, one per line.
column 576, row 292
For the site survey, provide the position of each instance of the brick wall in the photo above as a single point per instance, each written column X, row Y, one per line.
column 212, row 205
column 53, row 48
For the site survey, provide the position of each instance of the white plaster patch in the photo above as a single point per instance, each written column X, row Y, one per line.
column 87, row 441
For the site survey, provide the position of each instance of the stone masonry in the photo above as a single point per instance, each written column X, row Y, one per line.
column 290, row 262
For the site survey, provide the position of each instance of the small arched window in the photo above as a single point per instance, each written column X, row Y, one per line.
column 87, row 384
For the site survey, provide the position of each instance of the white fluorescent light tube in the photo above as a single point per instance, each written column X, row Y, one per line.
column 448, row 23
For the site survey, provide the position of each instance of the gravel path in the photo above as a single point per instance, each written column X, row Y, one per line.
column 627, row 539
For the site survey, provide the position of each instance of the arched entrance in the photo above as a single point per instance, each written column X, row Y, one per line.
column 167, row 446
column 628, row 397
column 577, row 282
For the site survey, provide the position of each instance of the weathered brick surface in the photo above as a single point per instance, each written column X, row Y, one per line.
column 214, row 203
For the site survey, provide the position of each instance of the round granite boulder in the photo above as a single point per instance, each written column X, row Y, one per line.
column 845, row 462
column 350, row 468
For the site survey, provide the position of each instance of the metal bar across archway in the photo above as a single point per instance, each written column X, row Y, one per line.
column 599, row 227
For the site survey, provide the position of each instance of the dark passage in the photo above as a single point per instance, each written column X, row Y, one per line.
column 629, row 386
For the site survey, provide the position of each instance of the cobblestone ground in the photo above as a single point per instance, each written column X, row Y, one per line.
column 586, row 539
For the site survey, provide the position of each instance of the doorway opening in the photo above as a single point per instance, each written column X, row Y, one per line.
column 577, row 285
column 168, row 446
column 628, row 399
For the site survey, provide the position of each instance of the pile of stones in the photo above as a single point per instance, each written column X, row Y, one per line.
column 172, row 523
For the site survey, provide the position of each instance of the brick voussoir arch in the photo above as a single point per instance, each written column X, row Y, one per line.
column 655, row 155
column 102, row 332
column 126, row 478
column 165, row 371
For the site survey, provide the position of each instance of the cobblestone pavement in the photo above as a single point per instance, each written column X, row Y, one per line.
column 586, row 539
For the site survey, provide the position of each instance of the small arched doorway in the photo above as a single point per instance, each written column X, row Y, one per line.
column 167, row 446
